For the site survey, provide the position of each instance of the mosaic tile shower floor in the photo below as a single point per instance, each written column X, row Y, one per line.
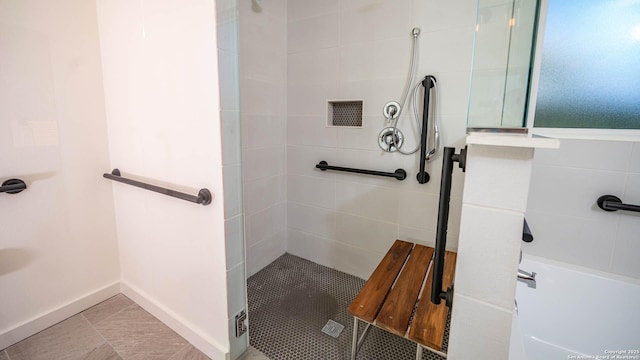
column 290, row 301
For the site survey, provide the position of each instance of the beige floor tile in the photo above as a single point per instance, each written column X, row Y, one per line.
column 3, row 355
column 67, row 340
column 106, row 308
column 137, row 335
column 189, row 353
column 254, row 354
column 103, row 352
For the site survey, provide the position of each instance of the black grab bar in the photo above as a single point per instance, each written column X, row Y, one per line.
column 13, row 186
column 614, row 203
column 428, row 83
column 449, row 157
column 399, row 174
column 204, row 195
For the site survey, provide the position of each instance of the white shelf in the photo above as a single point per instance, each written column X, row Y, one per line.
column 513, row 140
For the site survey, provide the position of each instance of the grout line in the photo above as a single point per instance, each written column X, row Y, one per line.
column 102, row 336
column 182, row 348
column 121, row 310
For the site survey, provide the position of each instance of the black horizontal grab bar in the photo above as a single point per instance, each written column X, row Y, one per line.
column 399, row 174
column 614, row 203
column 204, row 195
column 12, row 186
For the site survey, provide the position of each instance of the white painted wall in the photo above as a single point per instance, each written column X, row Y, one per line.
column 263, row 72
column 160, row 64
column 361, row 50
column 562, row 212
column 58, row 248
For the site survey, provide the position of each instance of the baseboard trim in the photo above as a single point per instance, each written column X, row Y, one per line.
column 202, row 342
column 56, row 315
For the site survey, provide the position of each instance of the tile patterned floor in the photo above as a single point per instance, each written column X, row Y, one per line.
column 291, row 299
column 251, row 354
column 116, row 329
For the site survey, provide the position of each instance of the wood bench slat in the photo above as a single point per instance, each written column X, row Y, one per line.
column 368, row 302
column 430, row 320
column 397, row 308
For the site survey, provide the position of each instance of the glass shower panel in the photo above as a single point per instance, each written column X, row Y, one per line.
column 590, row 66
column 505, row 33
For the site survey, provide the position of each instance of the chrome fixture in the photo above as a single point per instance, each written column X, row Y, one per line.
column 391, row 139
column 391, row 110
column 527, row 278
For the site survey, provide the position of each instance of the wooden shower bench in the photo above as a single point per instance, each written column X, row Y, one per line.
column 399, row 288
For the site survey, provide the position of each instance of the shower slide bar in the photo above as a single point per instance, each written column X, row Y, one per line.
column 399, row 174
column 204, row 196
column 614, row 203
column 12, row 186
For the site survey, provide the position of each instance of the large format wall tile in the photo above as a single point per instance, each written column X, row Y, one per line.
column 567, row 224
column 366, row 56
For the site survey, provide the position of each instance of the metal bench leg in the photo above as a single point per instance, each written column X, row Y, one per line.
column 419, row 352
column 356, row 342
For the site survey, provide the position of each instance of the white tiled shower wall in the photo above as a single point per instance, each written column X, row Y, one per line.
column 294, row 56
column 263, row 66
column 567, row 224
column 361, row 50
column 354, row 49
column 227, row 26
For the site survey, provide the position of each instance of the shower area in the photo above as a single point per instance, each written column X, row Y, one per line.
column 312, row 236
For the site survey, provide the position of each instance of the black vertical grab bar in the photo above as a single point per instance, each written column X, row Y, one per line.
column 428, row 83
column 449, row 157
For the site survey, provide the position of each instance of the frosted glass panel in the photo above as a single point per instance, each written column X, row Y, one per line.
column 590, row 72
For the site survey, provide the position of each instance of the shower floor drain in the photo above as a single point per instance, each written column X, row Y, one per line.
column 333, row 328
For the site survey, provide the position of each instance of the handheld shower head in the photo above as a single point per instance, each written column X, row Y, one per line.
column 415, row 32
